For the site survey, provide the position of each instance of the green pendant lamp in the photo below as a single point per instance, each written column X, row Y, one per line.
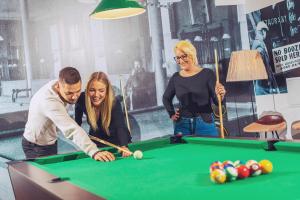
column 117, row 9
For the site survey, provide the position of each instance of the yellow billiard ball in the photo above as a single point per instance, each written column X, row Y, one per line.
column 266, row 166
column 218, row 176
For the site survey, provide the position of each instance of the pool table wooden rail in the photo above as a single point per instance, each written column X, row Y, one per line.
column 24, row 178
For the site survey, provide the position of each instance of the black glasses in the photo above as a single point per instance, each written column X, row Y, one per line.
column 183, row 57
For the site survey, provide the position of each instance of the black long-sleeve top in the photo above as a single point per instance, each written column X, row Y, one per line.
column 194, row 93
column 119, row 133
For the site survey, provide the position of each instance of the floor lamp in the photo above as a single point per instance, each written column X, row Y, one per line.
column 246, row 65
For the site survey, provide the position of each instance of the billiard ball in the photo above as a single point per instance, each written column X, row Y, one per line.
column 266, row 166
column 250, row 162
column 216, row 165
column 228, row 162
column 255, row 169
column 237, row 163
column 218, row 176
column 138, row 154
column 228, row 165
column 231, row 172
column 243, row 171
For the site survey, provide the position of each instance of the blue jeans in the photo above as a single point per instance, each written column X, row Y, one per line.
column 195, row 126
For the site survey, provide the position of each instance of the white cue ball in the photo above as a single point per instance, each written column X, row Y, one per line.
column 138, row 154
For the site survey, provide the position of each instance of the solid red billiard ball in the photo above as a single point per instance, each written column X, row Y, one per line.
column 243, row 171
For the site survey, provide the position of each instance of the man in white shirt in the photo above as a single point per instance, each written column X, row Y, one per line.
column 47, row 111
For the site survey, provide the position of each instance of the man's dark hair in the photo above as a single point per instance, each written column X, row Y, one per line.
column 69, row 75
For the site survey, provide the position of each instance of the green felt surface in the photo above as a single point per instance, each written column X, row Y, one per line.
column 181, row 171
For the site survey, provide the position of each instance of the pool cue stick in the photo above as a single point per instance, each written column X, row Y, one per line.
column 110, row 144
column 219, row 96
column 125, row 107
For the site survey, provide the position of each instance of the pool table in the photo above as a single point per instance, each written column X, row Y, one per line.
column 167, row 171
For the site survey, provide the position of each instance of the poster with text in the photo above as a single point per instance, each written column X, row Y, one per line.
column 275, row 32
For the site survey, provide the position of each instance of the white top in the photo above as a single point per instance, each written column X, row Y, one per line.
column 46, row 112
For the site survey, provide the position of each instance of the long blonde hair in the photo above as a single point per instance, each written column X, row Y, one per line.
column 105, row 106
column 187, row 48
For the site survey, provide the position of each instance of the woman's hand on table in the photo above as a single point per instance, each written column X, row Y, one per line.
column 125, row 154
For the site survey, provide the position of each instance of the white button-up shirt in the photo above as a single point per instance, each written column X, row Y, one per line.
column 46, row 112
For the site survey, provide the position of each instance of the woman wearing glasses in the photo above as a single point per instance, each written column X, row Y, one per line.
column 194, row 87
column 104, row 114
